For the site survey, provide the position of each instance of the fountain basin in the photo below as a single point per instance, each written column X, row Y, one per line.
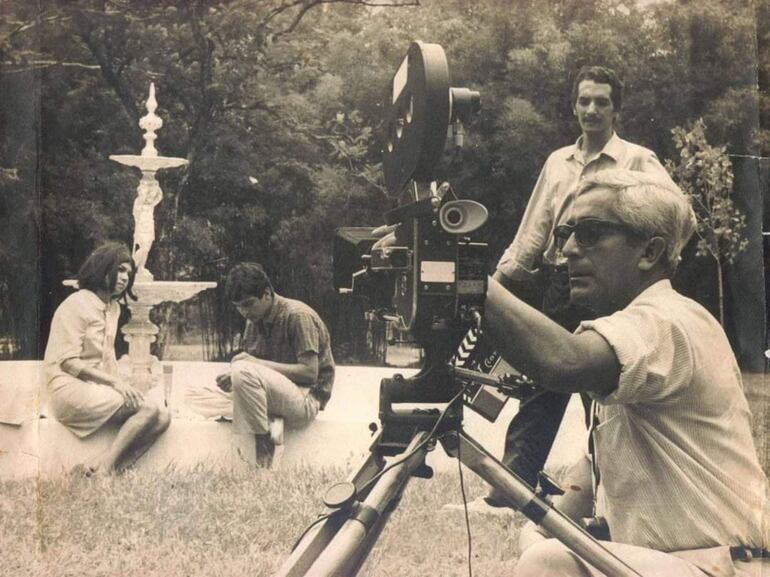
column 155, row 292
column 148, row 163
column 158, row 291
column 140, row 332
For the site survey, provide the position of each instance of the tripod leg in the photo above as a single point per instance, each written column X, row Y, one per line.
column 319, row 537
column 476, row 458
column 345, row 553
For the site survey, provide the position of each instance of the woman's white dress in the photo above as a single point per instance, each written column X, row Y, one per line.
column 82, row 335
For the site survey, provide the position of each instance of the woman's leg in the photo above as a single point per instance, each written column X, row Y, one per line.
column 146, row 441
column 137, row 434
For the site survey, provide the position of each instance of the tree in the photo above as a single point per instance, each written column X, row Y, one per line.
column 277, row 105
column 241, row 92
column 705, row 174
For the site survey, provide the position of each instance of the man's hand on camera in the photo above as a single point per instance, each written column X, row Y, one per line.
column 224, row 382
column 386, row 241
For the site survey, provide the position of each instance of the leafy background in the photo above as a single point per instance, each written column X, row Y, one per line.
column 277, row 104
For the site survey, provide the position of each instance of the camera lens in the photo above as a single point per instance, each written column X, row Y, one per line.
column 454, row 216
column 462, row 216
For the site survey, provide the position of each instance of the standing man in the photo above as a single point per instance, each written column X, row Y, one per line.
column 597, row 95
column 286, row 369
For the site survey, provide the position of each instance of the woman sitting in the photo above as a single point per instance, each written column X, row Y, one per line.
column 84, row 388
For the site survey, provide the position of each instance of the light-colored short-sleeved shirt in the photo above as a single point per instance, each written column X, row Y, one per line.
column 676, row 459
column 553, row 196
column 290, row 329
column 82, row 335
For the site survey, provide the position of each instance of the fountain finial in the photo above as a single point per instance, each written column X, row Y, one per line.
column 150, row 123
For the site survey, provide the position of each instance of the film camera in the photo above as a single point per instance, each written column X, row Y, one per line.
column 421, row 270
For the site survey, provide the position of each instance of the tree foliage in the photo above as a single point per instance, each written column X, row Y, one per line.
column 277, row 105
column 704, row 172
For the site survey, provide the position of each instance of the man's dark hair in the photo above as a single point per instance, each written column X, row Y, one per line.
column 600, row 75
column 245, row 280
column 100, row 271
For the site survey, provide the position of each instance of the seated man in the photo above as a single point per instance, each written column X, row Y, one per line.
column 672, row 468
column 286, row 369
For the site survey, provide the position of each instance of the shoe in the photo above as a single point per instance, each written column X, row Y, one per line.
column 265, row 451
column 479, row 506
column 275, row 428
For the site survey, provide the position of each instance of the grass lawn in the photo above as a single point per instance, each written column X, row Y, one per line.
column 216, row 523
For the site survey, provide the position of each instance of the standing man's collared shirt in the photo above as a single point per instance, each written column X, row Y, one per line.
column 678, row 467
column 290, row 329
column 553, row 195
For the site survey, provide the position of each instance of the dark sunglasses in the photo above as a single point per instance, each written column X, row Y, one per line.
column 589, row 231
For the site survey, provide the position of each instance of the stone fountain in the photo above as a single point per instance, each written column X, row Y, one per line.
column 140, row 332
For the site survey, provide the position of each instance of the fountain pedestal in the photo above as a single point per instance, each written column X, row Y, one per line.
column 140, row 332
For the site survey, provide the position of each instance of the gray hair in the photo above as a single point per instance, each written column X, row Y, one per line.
column 650, row 204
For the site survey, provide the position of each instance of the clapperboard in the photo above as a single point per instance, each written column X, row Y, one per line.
column 476, row 353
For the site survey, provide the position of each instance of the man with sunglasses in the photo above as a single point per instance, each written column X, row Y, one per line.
column 532, row 258
column 286, row 368
column 671, row 464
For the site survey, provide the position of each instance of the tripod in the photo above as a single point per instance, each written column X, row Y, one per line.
column 360, row 507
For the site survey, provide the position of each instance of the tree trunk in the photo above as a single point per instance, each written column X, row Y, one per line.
column 721, row 293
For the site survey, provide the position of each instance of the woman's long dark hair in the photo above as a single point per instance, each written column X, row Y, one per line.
column 103, row 263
